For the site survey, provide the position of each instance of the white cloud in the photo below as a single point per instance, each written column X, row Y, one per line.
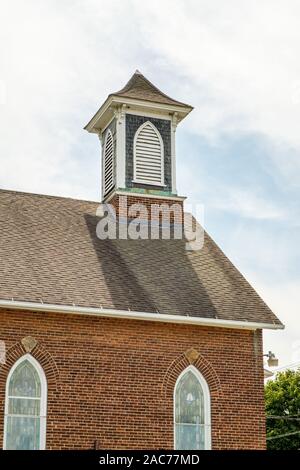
column 247, row 204
column 262, row 253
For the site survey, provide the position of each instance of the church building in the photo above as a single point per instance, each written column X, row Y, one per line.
column 126, row 342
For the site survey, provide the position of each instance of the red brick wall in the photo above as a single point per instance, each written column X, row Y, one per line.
column 176, row 215
column 112, row 380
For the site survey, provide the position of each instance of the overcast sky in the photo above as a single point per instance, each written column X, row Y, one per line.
column 238, row 152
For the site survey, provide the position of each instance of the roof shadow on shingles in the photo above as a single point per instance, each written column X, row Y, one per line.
column 124, row 289
column 151, row 275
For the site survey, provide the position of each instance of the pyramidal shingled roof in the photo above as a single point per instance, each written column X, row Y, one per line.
column 140, row 88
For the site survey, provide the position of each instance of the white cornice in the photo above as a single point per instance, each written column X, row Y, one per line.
column 130, row 315
column 150, row 114
column 113, row 101
column 172, row 108
column 104, row 108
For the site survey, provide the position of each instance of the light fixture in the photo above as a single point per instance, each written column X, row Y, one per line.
column 272, row 359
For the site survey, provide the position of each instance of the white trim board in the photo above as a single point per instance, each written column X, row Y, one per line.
column 163, row 117
column 131, row 315
column 146, row 195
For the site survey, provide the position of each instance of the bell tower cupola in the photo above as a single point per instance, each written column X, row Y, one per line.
column 136, row 127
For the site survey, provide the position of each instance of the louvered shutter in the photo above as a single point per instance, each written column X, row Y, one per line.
column 148, row 162
column 108, row 170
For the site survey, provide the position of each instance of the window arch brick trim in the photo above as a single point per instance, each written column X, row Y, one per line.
column 177, row 366
column 43, row 357
column 182, row 362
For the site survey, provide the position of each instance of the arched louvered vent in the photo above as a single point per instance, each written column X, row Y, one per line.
column 148, row 155
column 109, row 162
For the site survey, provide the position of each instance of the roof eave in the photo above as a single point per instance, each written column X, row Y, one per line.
column 90, row 126
column 145, row 316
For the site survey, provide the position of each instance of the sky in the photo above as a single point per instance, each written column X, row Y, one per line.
column 238, row 152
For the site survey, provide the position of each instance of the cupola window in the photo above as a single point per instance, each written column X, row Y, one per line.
column 148, row 156
column 108, row 163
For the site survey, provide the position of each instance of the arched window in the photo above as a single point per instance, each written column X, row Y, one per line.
column 191, row 411
column 25, row 406
column 108, row 163
column 148, row 155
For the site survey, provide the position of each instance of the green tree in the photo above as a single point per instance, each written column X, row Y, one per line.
column 282, row 397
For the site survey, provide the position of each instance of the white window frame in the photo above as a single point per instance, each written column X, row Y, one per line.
column 207, row 409
column 162, row 159
column 43, row 399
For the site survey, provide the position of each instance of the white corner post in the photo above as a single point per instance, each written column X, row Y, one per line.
column 120, row 146
column 174, row 123
column 100, row 137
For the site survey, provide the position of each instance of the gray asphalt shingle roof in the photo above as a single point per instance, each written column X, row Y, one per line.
column 49, row 251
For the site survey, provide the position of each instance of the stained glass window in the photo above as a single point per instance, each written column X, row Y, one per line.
column 190, row 422
column 24, row 417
